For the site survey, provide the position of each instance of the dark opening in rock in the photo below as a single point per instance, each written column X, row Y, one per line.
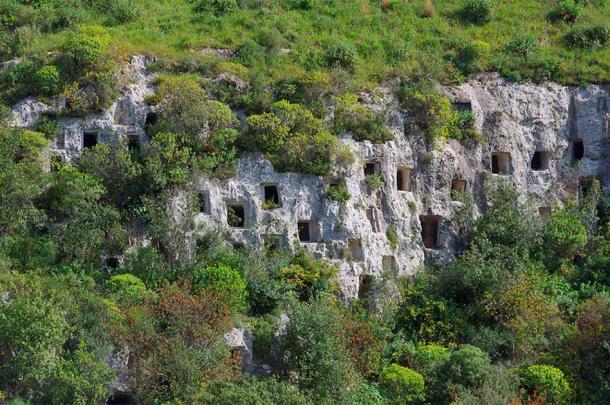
column 429, row 230
column 371, row 168
column 388, row 264
column 462, row 105
column 203, row 201
column 89, row 139
column 500, row 163
column 540, row 160
column 272, row 195
column 365, row 286
column 457, row 186
column 355, row 248
column 123, row 398
column 151, row 120
column 545, row 213
column 113, row 262
column 586, row 183
column 403, row 179
column 578, row 149
column 305, row 231
column 236, row 216
column 133, row 142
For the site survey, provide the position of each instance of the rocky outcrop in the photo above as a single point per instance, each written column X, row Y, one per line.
column 549, row 124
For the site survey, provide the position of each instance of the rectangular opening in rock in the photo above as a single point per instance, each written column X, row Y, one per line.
column 403, row 178
column 540, row 160
column 272, row 195
column 89, row 139
column 133, row 142
column 545, row 213
column 429, row 230
column 578, row 149
column 305, row 231
column 203, row 201
column 365, row 286
column 236, row 215
column 500, row 163
column 388, row 264
column 371, row 214
column 371, row 168
column 113, row 262
column 151, row 120
column 457, row 186
column 462, row 105
column 355, row 248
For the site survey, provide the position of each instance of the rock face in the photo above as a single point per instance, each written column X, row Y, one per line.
column 545, row 139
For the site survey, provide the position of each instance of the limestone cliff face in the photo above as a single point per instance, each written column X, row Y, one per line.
column 532, row 135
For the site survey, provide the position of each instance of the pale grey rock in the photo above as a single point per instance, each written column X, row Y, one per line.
column 518, row 119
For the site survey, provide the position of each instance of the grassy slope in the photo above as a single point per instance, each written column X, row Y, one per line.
column 172, row 29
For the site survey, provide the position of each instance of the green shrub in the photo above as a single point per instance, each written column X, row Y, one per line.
column 374, row 181
column 293, row 140
column 85, row 47
column 337, row 192
column 341, row 55
column 122, row 11
column 127, row 286
column 392, row 236
column 468, row 366
column 309, row 276
column 48, row 126
column 547, row 382
column 477, row 11
column 47, row 80
column 404, row 385
column 565, row 233
column 596, row 36
column 350, row 116
column 216, row 7
column 302, row 4
column 226, row 282
column 566, row 10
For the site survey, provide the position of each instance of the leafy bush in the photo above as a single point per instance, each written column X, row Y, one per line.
column 404, row 385
column 225, row 282
column 374, row 181
column 337, row 192
column 47, row 80
column 565, row 233
column 342, row 55
column 122, row 11
column 254, row 391
column 566, row 10
column 48, row 126
column 524, row 58
column 596, row 36
column 309, row 276
column 359, row 120
column 127, row 286
column 216, row 7
column 468, row 366
column 292, row 139
column 477, row 11
column 547, row 382
column 85, row 47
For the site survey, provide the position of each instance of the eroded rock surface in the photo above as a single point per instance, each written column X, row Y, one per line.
column 516, row 121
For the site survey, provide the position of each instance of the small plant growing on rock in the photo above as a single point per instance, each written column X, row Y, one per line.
column 337, row 192
column 392, row 236
column 374, row 181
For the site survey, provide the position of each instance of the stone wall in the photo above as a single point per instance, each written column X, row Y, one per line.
column 517, row 119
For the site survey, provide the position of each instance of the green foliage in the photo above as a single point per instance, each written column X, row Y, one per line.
column 216, row 7
column 392, row 236
column 350, row 116
column 468, row 366
column 374, row 181
column 84, row 48
column 314, row 352
column 565, row 233
column 293, row 139
column 337, row 192
column 547, row 382
column 309, row 276
column 524, row 58
column 568, row 11
column 477, row 11
column 253, row 391
column 341, row 54
column 126, row 286
column 48, row 126
column 405, row 385
column 47, row 80
column 223, row 281
column 596, row 36
column 122, row 11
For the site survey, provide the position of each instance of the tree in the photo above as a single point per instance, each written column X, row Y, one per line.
column 226, row 282
column 404, row 385
column 546, row 382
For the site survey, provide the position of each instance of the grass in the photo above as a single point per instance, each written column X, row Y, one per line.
column 391, row 40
